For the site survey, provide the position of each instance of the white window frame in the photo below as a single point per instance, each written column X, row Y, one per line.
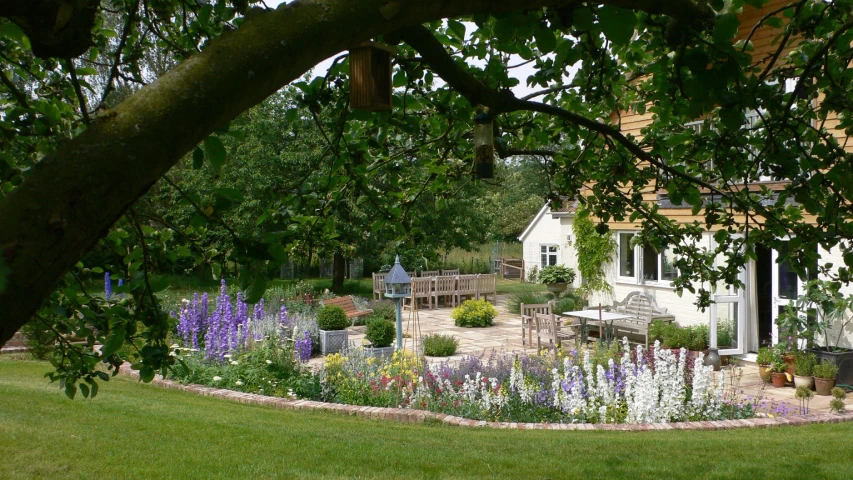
column 638, row 252
column 548, row 252
column 632, row 278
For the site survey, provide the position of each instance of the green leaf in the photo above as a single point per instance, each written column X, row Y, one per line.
column 146, row 373
column 732, row 118
column 457, row 28
column 256, row 288
column 114, row 341
column 546, row 41
column 198, row 158
column 617, row 23
column 582, row 19
column 84, row 389
column 725, row 28
column 278, row 252
column 215, row 151
column 82, row 72
column 70, row 390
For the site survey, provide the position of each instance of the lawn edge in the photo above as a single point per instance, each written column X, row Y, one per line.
column 404, row 415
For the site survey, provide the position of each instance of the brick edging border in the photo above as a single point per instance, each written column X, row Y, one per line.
column 422, row 416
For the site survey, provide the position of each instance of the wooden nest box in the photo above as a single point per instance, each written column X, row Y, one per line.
column 370, row 77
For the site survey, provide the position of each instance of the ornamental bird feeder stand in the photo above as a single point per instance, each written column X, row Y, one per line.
column 484, row 146
column 370, row 77
column 398, row 286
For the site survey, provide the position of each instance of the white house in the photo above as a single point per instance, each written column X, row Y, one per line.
column 748, row 314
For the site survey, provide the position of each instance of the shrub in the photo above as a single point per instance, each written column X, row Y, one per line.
column 439, row 345
column 513, row 303
column 556, row 274
column 804, row 364
column 384, row 308
column 380, row 332
column 474, row 313
column 671, row 335
column 38, row 339
column 826, row 370
column 332, row 317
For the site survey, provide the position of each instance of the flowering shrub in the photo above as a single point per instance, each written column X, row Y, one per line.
column 474, row 313
column 578, row 387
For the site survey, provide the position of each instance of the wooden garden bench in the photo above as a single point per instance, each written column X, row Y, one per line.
column 348, row 305
column 644, row 309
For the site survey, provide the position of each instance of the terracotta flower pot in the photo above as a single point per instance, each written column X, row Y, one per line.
column 778, row 379
column 824, row 385
column 763, row 373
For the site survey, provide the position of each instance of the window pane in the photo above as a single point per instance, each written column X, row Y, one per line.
column 543, row 262
column 727, row 323
column 552, row 260
column 626, row 255
column 787, row 277
column 543, row 248
column 552, row 248
column 650, row 264
column 667, row 265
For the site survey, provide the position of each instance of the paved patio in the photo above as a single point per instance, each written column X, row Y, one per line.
column 505, row 337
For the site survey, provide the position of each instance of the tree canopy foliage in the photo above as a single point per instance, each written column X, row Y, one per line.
column 104, row 98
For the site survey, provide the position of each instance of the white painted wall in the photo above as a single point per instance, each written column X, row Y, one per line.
column 550, row 231
column 836, row 257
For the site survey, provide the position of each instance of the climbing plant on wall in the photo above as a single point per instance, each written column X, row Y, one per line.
column 594, row 251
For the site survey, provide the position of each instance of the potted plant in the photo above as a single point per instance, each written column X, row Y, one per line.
column 820, row 317
column 333, row 324
column 557, row 278
column 777, row 373
column 764, row 359
column 804, row 363
column 824, row 377
column 380, row 333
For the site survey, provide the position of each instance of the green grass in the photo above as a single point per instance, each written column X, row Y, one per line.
column 133, row 430
column 514, row 286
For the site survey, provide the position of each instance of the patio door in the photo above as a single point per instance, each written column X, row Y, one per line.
column 728, row 319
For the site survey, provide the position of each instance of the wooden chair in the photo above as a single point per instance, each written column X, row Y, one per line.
column 430, row 273
column 379, row 285
column 421, row 289
column 644, row 309
column 466, row 286
column 445, row 288
column 551, row 327
column 487, row 284
column 452, row 272
column 528, row 320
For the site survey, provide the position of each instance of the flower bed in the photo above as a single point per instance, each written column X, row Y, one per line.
column 594, row 386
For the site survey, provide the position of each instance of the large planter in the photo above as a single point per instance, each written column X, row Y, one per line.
column 764, row 373
column 801, row 381
column 379, row 352
column 823, row 386
column 557, row 288
column 844, row 360
column 778, row 379
column 333, row 341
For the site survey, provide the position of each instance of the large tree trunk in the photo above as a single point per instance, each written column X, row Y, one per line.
column 70, row 199
column 339, row 270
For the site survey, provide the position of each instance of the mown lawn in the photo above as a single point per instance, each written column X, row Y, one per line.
column 134, row 430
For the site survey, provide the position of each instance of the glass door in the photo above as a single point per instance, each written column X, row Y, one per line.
column 728, row 319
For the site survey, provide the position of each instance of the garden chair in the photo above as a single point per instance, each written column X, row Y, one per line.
column 430, row 273
column 487, row 284
column 528, row 320
column 379, row 285
column 421, row 289
column 551, row 327
column 445, row 287
column 453, row 272
column 466, row 286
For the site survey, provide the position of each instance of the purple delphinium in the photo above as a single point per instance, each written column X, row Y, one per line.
column 303, row 347
column 108, row 286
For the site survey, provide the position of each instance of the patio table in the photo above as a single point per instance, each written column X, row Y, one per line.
column 603, row 318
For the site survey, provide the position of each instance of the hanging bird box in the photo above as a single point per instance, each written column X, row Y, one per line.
column 370, row 77
column 484, row 146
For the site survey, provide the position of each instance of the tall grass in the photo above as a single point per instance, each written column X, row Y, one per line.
column 479, row 260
